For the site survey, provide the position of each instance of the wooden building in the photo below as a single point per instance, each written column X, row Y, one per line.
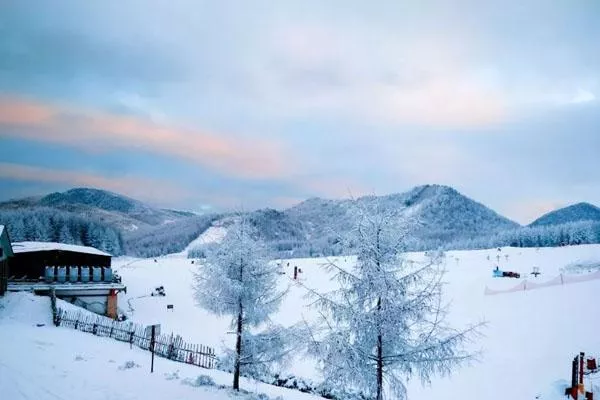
column 31, row 258
column 78, row 274
column 6, row 252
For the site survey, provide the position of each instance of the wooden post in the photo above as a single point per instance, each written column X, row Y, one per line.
column 152, row 348
column 581, row 357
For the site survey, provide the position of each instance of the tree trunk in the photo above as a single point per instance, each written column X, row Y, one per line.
column 238, row 352
column 379, row 356
column 379, row 332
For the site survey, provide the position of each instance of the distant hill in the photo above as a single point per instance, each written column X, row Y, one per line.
column 575, row 213
column 446, row 219
column 116, row 210
column 119, row 224
column 313, row 226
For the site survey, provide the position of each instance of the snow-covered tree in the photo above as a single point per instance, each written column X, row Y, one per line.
column 238, row 280
column 386, row 321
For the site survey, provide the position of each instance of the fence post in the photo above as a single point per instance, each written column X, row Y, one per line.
column 53, row 305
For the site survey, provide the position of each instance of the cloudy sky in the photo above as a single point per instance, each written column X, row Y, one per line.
column 217, row 104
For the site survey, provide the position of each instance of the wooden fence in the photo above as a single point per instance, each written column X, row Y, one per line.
column 167, row 346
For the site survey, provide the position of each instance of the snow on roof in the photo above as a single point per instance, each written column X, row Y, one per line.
column 1, row 229
column 29, row 247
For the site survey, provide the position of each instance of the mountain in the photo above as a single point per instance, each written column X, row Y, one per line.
column 445, row 216
column 116, row 210
column 446, row 219
column 575, row 213
column 102, row 219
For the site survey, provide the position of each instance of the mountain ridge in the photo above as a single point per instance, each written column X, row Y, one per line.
column 446, row 219
column 577, row 212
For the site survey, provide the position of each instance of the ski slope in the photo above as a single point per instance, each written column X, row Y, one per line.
column 526, row 348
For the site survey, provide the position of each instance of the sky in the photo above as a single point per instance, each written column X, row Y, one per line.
column 202, row 105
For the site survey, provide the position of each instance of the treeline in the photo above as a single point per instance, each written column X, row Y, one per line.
column 568, row 234
column 50, row 225
column 167, row 238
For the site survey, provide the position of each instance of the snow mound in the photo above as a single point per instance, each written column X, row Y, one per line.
column 26, row 308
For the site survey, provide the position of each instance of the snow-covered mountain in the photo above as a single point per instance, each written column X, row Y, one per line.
column 445, row 216
column 102, row 219
column 575, row 213
column 112, row 208
column 447, row 219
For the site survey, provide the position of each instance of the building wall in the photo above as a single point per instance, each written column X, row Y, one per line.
column 96, row 305
column 3, row 276
column 5, row 254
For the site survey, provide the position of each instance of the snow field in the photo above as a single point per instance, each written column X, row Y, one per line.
column 527, row 345
column 49, row 363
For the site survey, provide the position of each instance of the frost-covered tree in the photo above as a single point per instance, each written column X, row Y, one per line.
column 386, row 321
column 237, row 279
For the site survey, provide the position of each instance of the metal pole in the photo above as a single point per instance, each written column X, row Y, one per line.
column 152, row 349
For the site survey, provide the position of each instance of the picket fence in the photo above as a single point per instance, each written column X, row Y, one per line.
column 168, row 346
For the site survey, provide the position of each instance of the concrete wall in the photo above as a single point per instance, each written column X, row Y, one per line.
column 96, row 304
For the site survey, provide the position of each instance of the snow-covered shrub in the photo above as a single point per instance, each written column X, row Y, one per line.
column 129, row 365
column 170, row 376
column 201, row 380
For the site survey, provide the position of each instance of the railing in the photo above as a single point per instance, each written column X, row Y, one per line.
column 562, row 279
column 167, row 346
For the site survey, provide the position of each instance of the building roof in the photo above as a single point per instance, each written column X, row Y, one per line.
column 30, row 247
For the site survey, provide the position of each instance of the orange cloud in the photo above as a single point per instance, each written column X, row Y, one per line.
column 93, row 130
column 139, row 188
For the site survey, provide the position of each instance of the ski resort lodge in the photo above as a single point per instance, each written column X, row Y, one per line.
column 78, row 274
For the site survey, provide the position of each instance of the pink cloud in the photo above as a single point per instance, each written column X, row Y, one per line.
column 94, row 130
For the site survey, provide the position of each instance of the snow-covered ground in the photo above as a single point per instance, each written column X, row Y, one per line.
column 527, row 346
column 41, row 362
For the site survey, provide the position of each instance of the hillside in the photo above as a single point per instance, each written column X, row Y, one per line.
column 314, row 226
column 575, row 213
column 109, row 221
column 114, row 209
column 446, row 219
